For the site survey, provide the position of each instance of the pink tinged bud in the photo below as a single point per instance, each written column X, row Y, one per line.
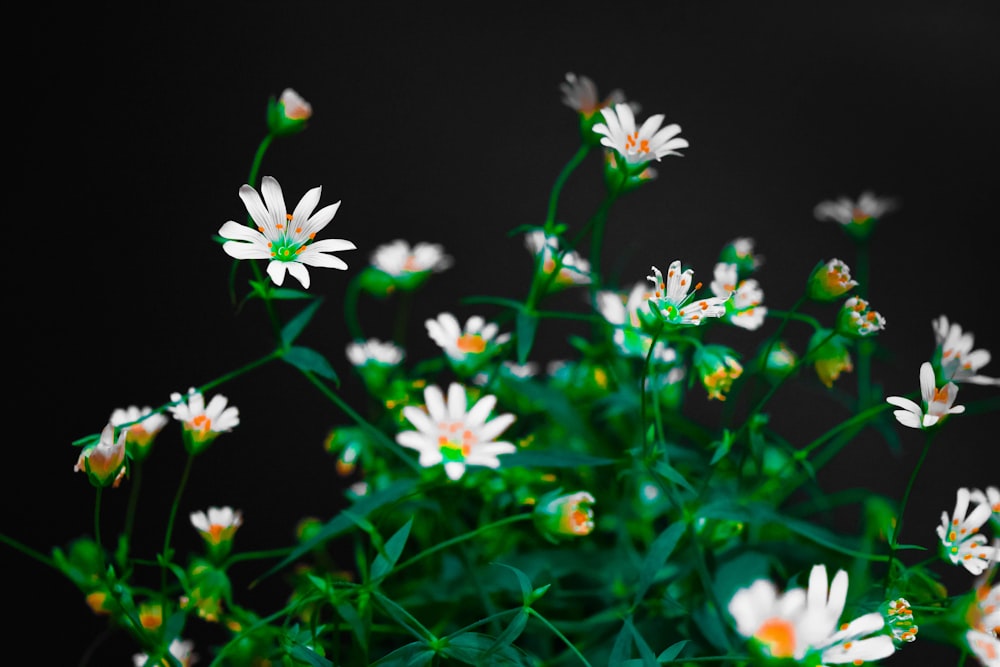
column 569, row 515
column 104, row 462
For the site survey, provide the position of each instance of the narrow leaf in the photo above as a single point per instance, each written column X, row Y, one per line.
column 385, row 560
column 307, row 359
column 659, row 552
column 527, row 326
column 292, row 330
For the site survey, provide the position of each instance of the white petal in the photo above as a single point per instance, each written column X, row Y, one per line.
column 276, row 270
column 434, row 400
column 298, row 271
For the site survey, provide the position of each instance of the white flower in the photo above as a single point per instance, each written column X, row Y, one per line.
column 985, row 646
column 628, row 313
column 457, row 341
column 287, row 240
column 671, row 297
column 448, row 433
column 144, row 423
column 798, row 622
column 650, row 141
column 203, row 423
column 104, row 461
column 991, row 497
column 960, row 537
column 745, row 309
column 938, row 403
column 846, row 211
column 218, row 524
column 295, row 106
column 573, row 268
column 397, row 258
column 374, row 350
column 580, row 94
column 181, row 649
column 959, row 362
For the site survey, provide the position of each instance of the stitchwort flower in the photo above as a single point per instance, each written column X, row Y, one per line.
column 104, row 461
column 449, row 433
column 718, row 367
column 937, row 403
column 955, row 358
column 467, row 346
column 856, row 319
column 399, row 266
column 744, row 309
column 573, row 268
column 203, row 423
column 180, row 649
column 287, row 240
column 217, row 527
column 143, row 427
column 672, row 301
column 569, row 515
column 856, row 217
column 831, row 281
column 961, row 541
column 638, row 146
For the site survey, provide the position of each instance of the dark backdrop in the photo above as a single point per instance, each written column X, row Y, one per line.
column 446, row 125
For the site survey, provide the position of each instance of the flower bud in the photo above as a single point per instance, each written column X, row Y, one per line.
column 104, row 462
column 831, row 281
column 718, row 367
column 830, row 356
column 567, row 515
column 857, row 320
column 288, row 114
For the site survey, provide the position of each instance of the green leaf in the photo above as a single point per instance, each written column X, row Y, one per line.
column 382, row 565
column 527, row 327
column 672, row 651
column 671, row 473
column 292, row 330
column 523, row 581
column 818, row 534
column 472, row 647
column 307, row 359
column 509, row 634
column 414, row 654
column 553, row 459
column 403, row 617
column 285, row 294
column 659, row 552
column 306, row 655
column 350, row 615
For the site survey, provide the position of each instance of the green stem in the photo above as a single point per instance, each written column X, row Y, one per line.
column 28, row 551
column 170, row 524
column 561, row 179
column 561, row 636
column 133, row 500
column 351, row 317
column 928, row 438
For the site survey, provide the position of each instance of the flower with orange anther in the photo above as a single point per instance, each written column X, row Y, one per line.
column 804, row 625
column 671, row 299
column 286, row 240
column 740, row 251
column 991, row 496
column 217, row 527
column 558, row 516
column 141, row 428
column 856, row 319
column 961, row 541
column 899, row 617
column 830, row 281
column 744, row 309
column 830, row 355
column 104, row 461
column 637, row 145
column 982, row 614
column 181, row 650
column 202, row 423
column 288, row 114
column 399, row 266
column 938, row 403
column 856, row 217
column 448, row 432
column 573, row 269
column 718, row 367
column 467, row 347
column 955, row 359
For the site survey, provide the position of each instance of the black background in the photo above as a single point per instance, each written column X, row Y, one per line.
column 446, row 125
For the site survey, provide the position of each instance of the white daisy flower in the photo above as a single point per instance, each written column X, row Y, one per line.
column 648, row 142
column 846, row 211
column 961, row 540
column 398, row 258
column 218, row 524
column 991, row 497
column 373, row 350
column 985, row 646
column 580, row 94
column 629, row 313
column 287, row 240
column 744, row 309
column 959, row 361
column 449, row 433
column 182, row 650
column 938, row 403
column 672, row 300
column 799, row 623
column 203, row 423
column 573, row 268
column 144, row 425
column 476, row 337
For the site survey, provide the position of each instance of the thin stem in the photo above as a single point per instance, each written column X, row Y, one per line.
column 560, row 181
column 928, row 438
column 133, row 500
column 97, row 525
column 555, row 631
column 170, row 523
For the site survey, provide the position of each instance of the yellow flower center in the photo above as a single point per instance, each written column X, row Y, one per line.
column 779, row 637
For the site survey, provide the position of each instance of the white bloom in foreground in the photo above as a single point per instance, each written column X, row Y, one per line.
column 961, row 540
column 287, row 240
column 959, row 361
column 398, row 258
column 181, row 649
column 991, row 496
column 985, row 646
column 938, row 403
column 648, row 142
column 447, row 433
column 671, row 298
column 800, row 623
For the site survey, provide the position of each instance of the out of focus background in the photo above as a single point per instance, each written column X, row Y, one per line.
column 442, row 125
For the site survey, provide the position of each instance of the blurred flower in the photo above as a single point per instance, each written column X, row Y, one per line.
column 218, row 525
column 638, row 146
column 104, row 461
column 618, row 174
column 180, row 649
column 469, row 346
column 717, row 367
column 565, row 515
column 447, row 433
column 671, row 299
column 983, row 615
column 831, row 281
column 375, row 361
column 830, row 354
column 151, row 615
column 985, row 646
column 954, row 358
column 743, row 309
column 206, row 590
column 286, row 240
column 858, row 218
column 804, row 624
column 740, row 251
column 398, row 266
column 631, row 316
column 288, row 114
column 573, row 268
column 937, row 403
column 857, row 320
column 143, row 427
column 991, row 497
column 202, row 424
column 960, row 540
column 781, row 359
column 580, row 94
column 899, row 618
